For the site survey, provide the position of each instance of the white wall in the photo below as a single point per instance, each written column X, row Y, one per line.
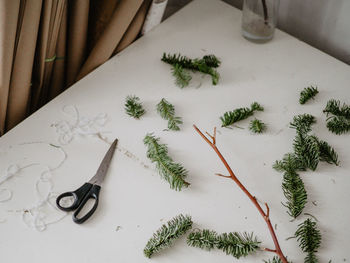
column 324, row 24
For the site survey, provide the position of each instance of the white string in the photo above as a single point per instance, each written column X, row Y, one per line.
column 34, row 216
column 83, row 126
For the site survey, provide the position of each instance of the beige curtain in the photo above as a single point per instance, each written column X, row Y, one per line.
column 47, row 45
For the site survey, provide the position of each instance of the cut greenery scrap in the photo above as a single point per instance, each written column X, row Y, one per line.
column 307, row 93
column 309, row 150
column 173, row 173
column 309, row 238
column 167, row 111
column 239, row 114
column 167, row 234
column 257, row 126
column 182, row 66
column 234, row 244
column 338, row 120
column 133, row 107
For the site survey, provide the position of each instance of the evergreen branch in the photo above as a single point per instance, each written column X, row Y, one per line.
column 333, row 107
column 239, row 114
column 257, row 126
column 292, row 185
column 167, row 111
column 307, row 93
column 290, row 163
column 235, row 244
column 182, row 77
column 302, row 123
column 309, row 238
column 133, row 107
column 338, row 125
column 295, row 193
column 273, row 260
column 327, row 153
column 307, row 150
column 173, row 173
column 167, row 234
column 206, row 65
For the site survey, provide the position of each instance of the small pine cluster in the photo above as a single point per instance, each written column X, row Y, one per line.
column 167, row 111
column 308, row 152
column 133, row 107
column 275, row 259
column 234, row 244
column 307, row 93
column 339, row 121
column 257, row 126
column 239, row 114
column 167, row 234
column 182, row 65
column 173, row 173
column 309, row 238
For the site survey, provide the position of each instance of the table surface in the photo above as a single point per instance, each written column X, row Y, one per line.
column 134, row 197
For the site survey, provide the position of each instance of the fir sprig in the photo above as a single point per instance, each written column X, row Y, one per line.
column 173, row 173
column 239, row 114
column 307, row 93
column 309, row 238
column 206, row 65
column 273, row 260
column 292, row 185
column 339, row 121
column 257, row 126
column 167, row 111
column 167, row 234
column 182, row 76
column 308, row 152
column 338, row 125
column 334, row 107
column 133, row 107
column 234, row 243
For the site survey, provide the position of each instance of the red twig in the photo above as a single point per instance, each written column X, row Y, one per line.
column 266, row 216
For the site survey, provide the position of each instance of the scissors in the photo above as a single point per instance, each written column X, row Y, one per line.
column 87, row 191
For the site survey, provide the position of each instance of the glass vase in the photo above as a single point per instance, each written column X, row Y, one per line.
column 259, row 19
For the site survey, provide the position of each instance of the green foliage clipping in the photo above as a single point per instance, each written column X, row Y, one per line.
column 307, row 93
column 338, row 121
column 309, row 238
column 275, row 259
column 239, row 114
column 167, row 234
column 182, row 66
column 167, row 111
column 133, row 107
column 173, row 173
column 257, row 126
column 308, row 152
column 234, row 243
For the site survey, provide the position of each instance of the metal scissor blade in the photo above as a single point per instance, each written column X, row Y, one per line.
column 102, row 170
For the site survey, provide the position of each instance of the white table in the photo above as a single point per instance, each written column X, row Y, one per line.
column 136, row 198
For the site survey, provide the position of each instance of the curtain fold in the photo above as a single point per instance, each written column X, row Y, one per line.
column 47, row 45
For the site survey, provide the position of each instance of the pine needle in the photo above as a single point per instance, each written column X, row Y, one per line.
column 133, row 107
column 309, row 238
column 239, row 114
column 307, row 93
column 257, row 126
column 182, row 77
column 167, row 234
column 234, row 243
column 206, row 65
column 173, row 173
column 167, row 111
column 339, row 121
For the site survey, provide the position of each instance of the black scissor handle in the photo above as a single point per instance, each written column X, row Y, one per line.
column 78, row 196
column 92, row 194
